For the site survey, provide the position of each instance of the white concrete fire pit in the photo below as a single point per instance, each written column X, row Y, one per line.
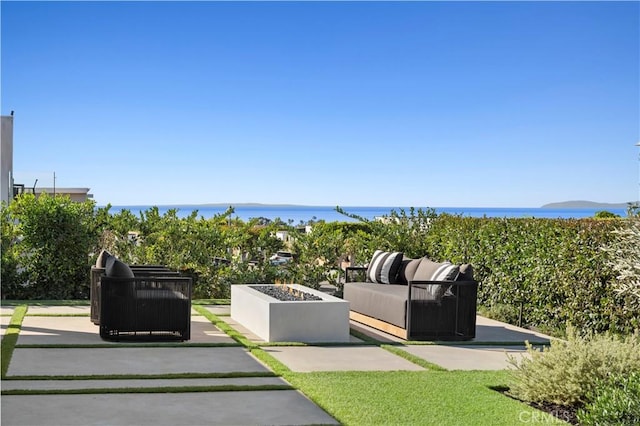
column 325, row 320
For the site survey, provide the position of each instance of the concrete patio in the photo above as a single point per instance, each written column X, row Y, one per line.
column 61, row 341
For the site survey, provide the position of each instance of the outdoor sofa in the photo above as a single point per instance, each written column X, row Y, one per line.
column 414, row 298
column 134, row 303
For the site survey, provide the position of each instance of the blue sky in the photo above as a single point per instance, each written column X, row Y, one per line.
column 432, row 104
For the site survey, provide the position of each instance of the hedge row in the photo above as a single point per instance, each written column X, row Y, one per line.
column 541, row 272
column 536, row 272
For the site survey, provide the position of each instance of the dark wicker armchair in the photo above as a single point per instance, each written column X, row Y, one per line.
column 139, row 302
column 138, row 270
column 150, row 307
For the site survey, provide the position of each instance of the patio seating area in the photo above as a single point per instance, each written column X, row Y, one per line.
column 62, row 372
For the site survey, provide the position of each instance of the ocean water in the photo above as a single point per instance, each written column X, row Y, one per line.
column 298, row 214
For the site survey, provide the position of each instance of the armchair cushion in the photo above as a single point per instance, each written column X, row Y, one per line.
column 384, row 266
column 117, row 269
column 101, row 261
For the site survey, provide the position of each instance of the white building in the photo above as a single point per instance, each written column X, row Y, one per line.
column 9, row 188
column 6, row 159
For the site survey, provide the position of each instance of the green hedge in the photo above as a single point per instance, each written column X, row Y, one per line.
column 549, row 271
column 46, row 243
column 538, row 272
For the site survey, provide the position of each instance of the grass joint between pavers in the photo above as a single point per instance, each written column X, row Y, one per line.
column 10, row 338
column 159, row 389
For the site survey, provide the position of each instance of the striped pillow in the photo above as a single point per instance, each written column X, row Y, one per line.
column 446, row 272
column 432, row 271
column 384, row 266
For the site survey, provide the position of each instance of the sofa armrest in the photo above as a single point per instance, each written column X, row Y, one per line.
column 349, row 269
column 423, row 290
column 452, row 317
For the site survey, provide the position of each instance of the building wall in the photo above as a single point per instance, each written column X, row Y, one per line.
column 76, row 194
column 6, row 159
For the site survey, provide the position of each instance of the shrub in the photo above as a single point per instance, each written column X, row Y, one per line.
column 603, row 214
column 567, row 372
column 614, row 401
column 553, row 268
column 624, row 253
column 48, row 241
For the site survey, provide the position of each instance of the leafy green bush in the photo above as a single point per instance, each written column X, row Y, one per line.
column 614, row 401
column 194, row 246
column 624, row 259
column 48, row 241
column 603, row 214
column 567, row 372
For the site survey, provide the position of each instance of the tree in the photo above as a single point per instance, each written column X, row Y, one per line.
column 49, row 240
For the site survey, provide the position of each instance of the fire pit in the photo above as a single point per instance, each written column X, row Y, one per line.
column 258, row 308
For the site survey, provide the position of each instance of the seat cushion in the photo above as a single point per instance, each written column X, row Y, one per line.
column 384, row 266
column 381, row 301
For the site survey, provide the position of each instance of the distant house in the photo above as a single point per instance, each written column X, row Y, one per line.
column 286, row 237
column 76, row 194
column 8, row 188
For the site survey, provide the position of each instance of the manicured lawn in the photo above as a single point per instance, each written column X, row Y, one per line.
column 416, row 398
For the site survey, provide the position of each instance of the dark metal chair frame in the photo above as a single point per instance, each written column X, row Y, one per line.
column 138, row 270
column 145, row 308
column 451, row 318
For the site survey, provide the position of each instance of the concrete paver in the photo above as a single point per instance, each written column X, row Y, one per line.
column 467, row 357
column 51, row 330
column 283, row 407
column 241, row 329
column 202, row 331
column 224, row 310
column 488, row 330
column 58, row 310
column 4, row 323
column 277, row 407
column 339, row 358
column 7, row 310
column 138, row 360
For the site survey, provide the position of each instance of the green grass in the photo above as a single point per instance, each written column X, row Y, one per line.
column 412, row 358
column 211, row 302
column 159, row 389
column 416, row 398
column 226, row 328
column 10, row 338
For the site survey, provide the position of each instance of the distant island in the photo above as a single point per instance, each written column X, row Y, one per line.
column 580, row 204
